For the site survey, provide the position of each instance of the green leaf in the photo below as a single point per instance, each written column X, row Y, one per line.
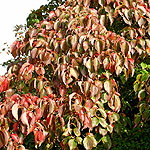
column 116, row 116
column 141, row 107
column 103, row 122
column 141, row 94
column 146, row 115
column 89, row 142
column 95, row 122
column 103, row 113
column 107, row 141
column 77, row 132
column 144, row 77
column 72, row 144
column 103, row 132
column 110, row 128
column 136, row 87
column 66, row 139
column 79, row 140
column 137, row 119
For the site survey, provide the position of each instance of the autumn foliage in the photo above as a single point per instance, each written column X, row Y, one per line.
column 66, row 86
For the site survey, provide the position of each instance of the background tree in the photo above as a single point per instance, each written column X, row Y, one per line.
column 73, row 84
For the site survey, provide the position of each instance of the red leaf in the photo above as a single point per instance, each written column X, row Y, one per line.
column 49, row 119
column 108, row 1
column 36, row 136
column 89, row 104
column 24, row 118
column 85, row 45
column 62, row 121
column 87, row 123
column 15, row 126
column 30, row 129
column 39, row 113
column 31, row 118
column 34, row 52
column 62, row 91
column 131, row 61
column 60, row 110
column 30, row 68
column 110, row 113
column 81, row 115
column 40, row 70
column 112, row 125
column 15, row 97
column 52, row 14
column 40, row 135
column 24, row 102
column 15, row 137
column 4, row 85
column 14, row 48
column 23, row 68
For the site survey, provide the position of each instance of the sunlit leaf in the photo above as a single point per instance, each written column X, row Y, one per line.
column 141, row 94
column 95, row 122
column 24, row 118
column 89, row 142
column 74, row 73
column 72, row 144
column 103, row 132
column 103, row 122
column 103, row 113
column 108, row 86
column 117, row 103
column 15, row 111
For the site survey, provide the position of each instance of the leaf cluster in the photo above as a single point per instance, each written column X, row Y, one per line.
column 76, row 75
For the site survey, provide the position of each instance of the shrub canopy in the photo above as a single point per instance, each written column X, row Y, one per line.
column 71, row 71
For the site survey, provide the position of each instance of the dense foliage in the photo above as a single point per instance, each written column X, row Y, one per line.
column 43, row 12
column 80, row 75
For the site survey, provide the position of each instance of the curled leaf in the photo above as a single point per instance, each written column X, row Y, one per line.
column 15, row 111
